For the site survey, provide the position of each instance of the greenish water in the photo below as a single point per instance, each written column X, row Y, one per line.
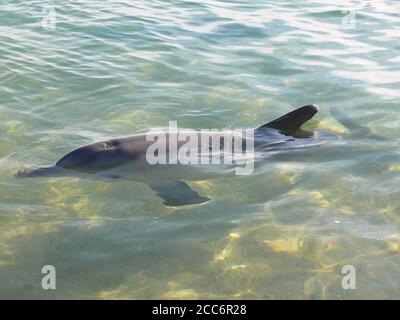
column 110, row 68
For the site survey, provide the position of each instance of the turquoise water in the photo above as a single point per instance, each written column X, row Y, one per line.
column 102, row 69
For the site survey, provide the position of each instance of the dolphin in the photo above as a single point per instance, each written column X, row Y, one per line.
column 125, row 158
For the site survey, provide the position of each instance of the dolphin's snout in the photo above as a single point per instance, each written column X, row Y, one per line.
column 37, row 172
column 24, row 173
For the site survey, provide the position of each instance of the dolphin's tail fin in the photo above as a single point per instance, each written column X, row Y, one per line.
column 291, row 122
column 344, row 120
column 348, row 123
column 38, row 172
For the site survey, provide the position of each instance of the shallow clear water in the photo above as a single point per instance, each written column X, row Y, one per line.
column 110, row 68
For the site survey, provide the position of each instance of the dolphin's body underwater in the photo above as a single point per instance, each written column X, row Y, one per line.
column 125, row 158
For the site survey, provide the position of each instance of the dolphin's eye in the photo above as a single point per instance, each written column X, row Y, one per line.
column 107, row 145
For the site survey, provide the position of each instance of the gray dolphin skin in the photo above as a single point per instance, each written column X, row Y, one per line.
column 125, row 158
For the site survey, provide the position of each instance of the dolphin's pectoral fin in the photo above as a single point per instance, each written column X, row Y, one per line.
column 290, row 123
column 177, row 193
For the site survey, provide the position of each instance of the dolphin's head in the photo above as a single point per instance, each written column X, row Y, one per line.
column 90, row 158
column 95, row 156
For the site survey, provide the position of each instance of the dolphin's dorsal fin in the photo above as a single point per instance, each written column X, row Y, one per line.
column 291, row 122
